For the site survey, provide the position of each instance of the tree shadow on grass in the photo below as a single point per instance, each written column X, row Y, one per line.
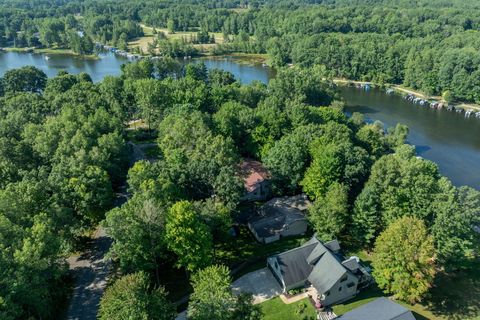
column 456, row 295
column 419, row 316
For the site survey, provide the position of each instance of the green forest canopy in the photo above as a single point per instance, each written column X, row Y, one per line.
column 432, row 46
column 63, row 153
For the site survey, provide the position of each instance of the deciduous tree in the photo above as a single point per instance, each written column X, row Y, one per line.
column 404, row 259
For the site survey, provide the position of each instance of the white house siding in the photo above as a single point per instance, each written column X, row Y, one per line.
column 337, row 296
column 271, row 239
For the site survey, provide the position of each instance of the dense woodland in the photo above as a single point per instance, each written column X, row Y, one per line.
column 427, row 45
column 64, row 154
column 65, row 151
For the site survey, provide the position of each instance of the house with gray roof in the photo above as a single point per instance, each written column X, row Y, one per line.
column 322, row 266
column 280, row 217
column 379, row 309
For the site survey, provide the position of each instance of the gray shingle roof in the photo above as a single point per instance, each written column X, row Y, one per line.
column 293, row 265
column 312, row 262
column 327, row 271
column 379, row 309
column 278, row 213
column 351, row 264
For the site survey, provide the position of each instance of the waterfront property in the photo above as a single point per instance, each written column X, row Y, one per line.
column 322, row 266
column 280, row 217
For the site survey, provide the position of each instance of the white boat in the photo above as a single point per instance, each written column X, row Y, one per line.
column 47, row 58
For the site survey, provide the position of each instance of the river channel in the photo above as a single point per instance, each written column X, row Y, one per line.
column 447, row 138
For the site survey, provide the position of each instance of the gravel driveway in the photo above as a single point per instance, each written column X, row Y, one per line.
column 261, row 284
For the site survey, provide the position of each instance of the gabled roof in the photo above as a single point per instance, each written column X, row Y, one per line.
column 379, row 309
column 313, row 262
column 277, row 213
column 253, row 173
column 327, row 271
column 333, row 245
column 293, row 266
column 351, row 264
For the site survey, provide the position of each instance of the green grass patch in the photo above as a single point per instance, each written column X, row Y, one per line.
column 454, row 295
column 244, row 248
column 152, row 152
column 275, row 309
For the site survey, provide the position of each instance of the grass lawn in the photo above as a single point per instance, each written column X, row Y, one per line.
column 244, row 248
column 453, row 296
column 141, row 42
column 275, row 309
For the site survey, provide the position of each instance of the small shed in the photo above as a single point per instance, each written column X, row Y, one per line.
column 280, row 217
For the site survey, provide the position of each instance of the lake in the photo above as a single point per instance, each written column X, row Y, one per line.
column 447, row 138
column 109, row 64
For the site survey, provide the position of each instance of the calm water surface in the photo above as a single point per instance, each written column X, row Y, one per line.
column 449, row 139
column 108, row 64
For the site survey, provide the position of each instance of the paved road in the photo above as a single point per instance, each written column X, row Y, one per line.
column 91, row 271
column 261, row 284
column 91, row 268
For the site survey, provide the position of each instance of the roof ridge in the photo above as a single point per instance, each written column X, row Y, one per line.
column 296, row 248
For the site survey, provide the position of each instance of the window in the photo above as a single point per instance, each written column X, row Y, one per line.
column 350, row 284
column 327, row 293
column 344, row 278
column 339, row 289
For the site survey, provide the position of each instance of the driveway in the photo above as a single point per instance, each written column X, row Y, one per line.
column 91, row 271
column 261, row 284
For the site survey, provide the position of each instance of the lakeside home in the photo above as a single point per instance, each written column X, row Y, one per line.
column 321, row 266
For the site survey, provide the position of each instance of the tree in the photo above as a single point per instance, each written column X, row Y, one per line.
column 366, row 220
column 326, row 168
column 27, row 78
column 31, row 267
column 447, row 96
column 288, row 158
column 196, row 71
column 201, row 163
column 235, row 120
column 329, row 213
column 152, row 100
column 188, row 237
column 404, row 260
column 138, row 230
column 138, row 70
column 307, row 86
column 212, row 297
column 132, row 297
column 372, row 138
column 171, row 25
column 397, row 136
column 399, row 185
column 457, row 211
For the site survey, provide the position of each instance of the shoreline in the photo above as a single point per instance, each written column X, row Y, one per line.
column 65, row 52
column 406, row 91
